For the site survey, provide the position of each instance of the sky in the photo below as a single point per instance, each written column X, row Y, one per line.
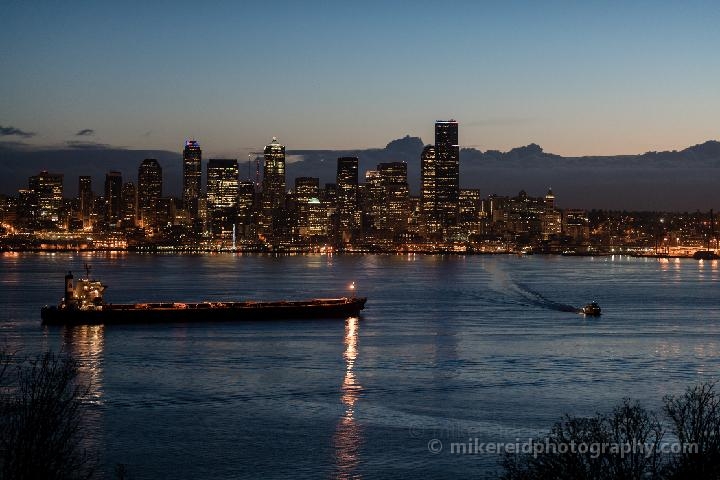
column 577, row 78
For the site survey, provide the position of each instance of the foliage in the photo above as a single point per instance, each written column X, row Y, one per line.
column 692, row 420
column 41, row 410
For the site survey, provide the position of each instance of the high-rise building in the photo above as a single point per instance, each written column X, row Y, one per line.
column 48, row 191
column 222, row 183
column 347, row 197
column 222, row 196
column 551, row 218
column 246, row 210
column 85, row 198
column 274, row 216
column 428, row 189
column 192, row 177
column 129, row 204
column 469, row 211
column 395, row 214
column 447, row 172
column 576, row 225
column 113, row 197
column 307, row 190
column 26, row 209
column 373, row 203
column 149, row 192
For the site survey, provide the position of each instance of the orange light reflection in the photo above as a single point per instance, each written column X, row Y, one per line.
column 347, row 438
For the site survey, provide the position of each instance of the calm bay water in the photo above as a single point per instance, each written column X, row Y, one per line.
column 448, row 348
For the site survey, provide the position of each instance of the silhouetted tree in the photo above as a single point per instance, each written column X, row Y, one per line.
column 40, row 420
column 695, row 417
column 581, row 448
column 693, row 420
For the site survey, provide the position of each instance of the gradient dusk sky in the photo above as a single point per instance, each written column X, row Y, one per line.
column 575, row 77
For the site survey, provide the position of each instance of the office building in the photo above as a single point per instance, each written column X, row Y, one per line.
column 447, row 172
column 222, row 196
column 129, row 204
column 192, row 177
column 395, row 214
column 113, row 197
column 48, row 191
column 149, row 192
column 85, row 200
column 347, row 198
column 274, row 217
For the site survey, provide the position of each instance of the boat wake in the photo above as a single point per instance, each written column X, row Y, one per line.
column 521, row 294
column 537, row 298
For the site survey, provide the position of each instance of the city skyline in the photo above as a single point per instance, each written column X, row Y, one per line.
column 583, row 80
column 378, row 214
column 656, row 181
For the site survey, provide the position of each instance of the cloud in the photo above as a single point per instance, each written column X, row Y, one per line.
column 7, row 131
column 84, row 132
column 79, row 145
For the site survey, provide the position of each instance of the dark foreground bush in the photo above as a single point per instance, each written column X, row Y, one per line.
column 40, row 420
column 630, row 443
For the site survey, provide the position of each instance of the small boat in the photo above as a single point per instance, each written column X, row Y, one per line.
column 83, row 304
column 591, row 309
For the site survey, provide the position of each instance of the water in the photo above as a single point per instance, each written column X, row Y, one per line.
column 448, row 348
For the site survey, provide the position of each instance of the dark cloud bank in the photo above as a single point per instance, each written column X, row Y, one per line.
column 12, row 131
column 684, row 180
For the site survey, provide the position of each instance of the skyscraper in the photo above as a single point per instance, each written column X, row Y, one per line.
column 372, row 203
column 347, row 197
column 222, row 196
column 149, row 191
column 447, row 172
column 274, row 217
column 113, row 196
column 192, row 177
column 129, row 204
column 48, row 191
column 307, row 189
column 85, row 197
column 393, row 176
column 469, row 211
column 428, row 189
column 246, row 210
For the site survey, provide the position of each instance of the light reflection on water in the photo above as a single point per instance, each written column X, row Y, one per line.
column 86, row 343
column 348, row 434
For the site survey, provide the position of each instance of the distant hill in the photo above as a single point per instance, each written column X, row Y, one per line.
column 676, row 180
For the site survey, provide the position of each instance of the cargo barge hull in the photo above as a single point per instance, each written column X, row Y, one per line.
column 204, row 312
